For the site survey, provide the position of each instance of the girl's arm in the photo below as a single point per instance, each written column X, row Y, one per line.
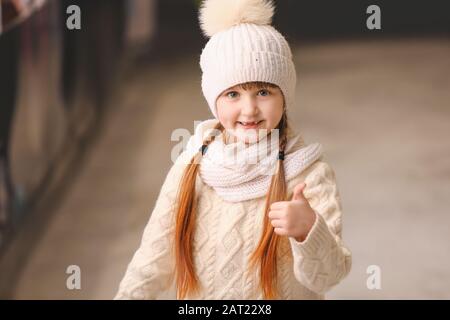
column 321, row 261
column 150, row 273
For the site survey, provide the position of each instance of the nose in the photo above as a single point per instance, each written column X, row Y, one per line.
column 250, row 106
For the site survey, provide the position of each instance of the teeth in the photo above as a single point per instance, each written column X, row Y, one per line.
column 248, row 123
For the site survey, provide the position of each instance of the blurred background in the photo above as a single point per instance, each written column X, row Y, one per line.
column 86, row 117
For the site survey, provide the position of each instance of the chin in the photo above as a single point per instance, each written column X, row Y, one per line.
column 249, row 136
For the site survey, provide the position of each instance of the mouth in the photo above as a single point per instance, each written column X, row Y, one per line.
column 249, row 125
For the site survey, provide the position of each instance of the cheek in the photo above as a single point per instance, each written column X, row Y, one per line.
column 273, row 111
column 226, row 113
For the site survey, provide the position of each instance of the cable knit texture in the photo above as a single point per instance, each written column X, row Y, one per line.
column 226, row 235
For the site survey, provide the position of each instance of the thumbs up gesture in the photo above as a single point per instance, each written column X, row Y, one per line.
column 293, row 218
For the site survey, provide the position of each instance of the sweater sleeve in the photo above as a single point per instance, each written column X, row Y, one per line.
column 321, row 261
column 150, row 274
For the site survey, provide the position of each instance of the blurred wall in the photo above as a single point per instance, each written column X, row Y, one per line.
column 54, row 88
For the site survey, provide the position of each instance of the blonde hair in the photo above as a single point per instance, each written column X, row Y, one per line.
column 266, row 250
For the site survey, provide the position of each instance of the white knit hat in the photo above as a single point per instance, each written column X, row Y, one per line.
column 243, row 47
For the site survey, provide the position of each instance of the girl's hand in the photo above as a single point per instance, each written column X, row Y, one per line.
column 293, row 218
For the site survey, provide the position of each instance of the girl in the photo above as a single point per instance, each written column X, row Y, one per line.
column 248, row 211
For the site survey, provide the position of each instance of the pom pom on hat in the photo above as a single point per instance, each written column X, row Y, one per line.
column 219, row 15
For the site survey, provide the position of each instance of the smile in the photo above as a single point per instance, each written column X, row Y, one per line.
column 250, row 125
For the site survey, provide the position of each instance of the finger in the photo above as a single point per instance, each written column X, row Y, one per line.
column 277, row 223
column 275, row 214
column 298, row 192
column 278, row 205
column 280, row 231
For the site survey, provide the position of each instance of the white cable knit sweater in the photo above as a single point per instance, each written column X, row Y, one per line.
column 226, row 235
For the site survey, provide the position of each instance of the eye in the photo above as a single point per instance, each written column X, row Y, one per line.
column 263, row 92
column 232, row 94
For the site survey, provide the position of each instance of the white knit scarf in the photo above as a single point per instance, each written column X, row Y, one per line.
column 239, row 173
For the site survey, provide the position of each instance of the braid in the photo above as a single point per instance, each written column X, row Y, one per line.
column 187, row 280
column 282, row 127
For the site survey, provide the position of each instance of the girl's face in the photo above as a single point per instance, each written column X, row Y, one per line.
column 250, row 114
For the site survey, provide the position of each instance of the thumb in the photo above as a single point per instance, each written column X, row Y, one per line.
column 298, row 191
